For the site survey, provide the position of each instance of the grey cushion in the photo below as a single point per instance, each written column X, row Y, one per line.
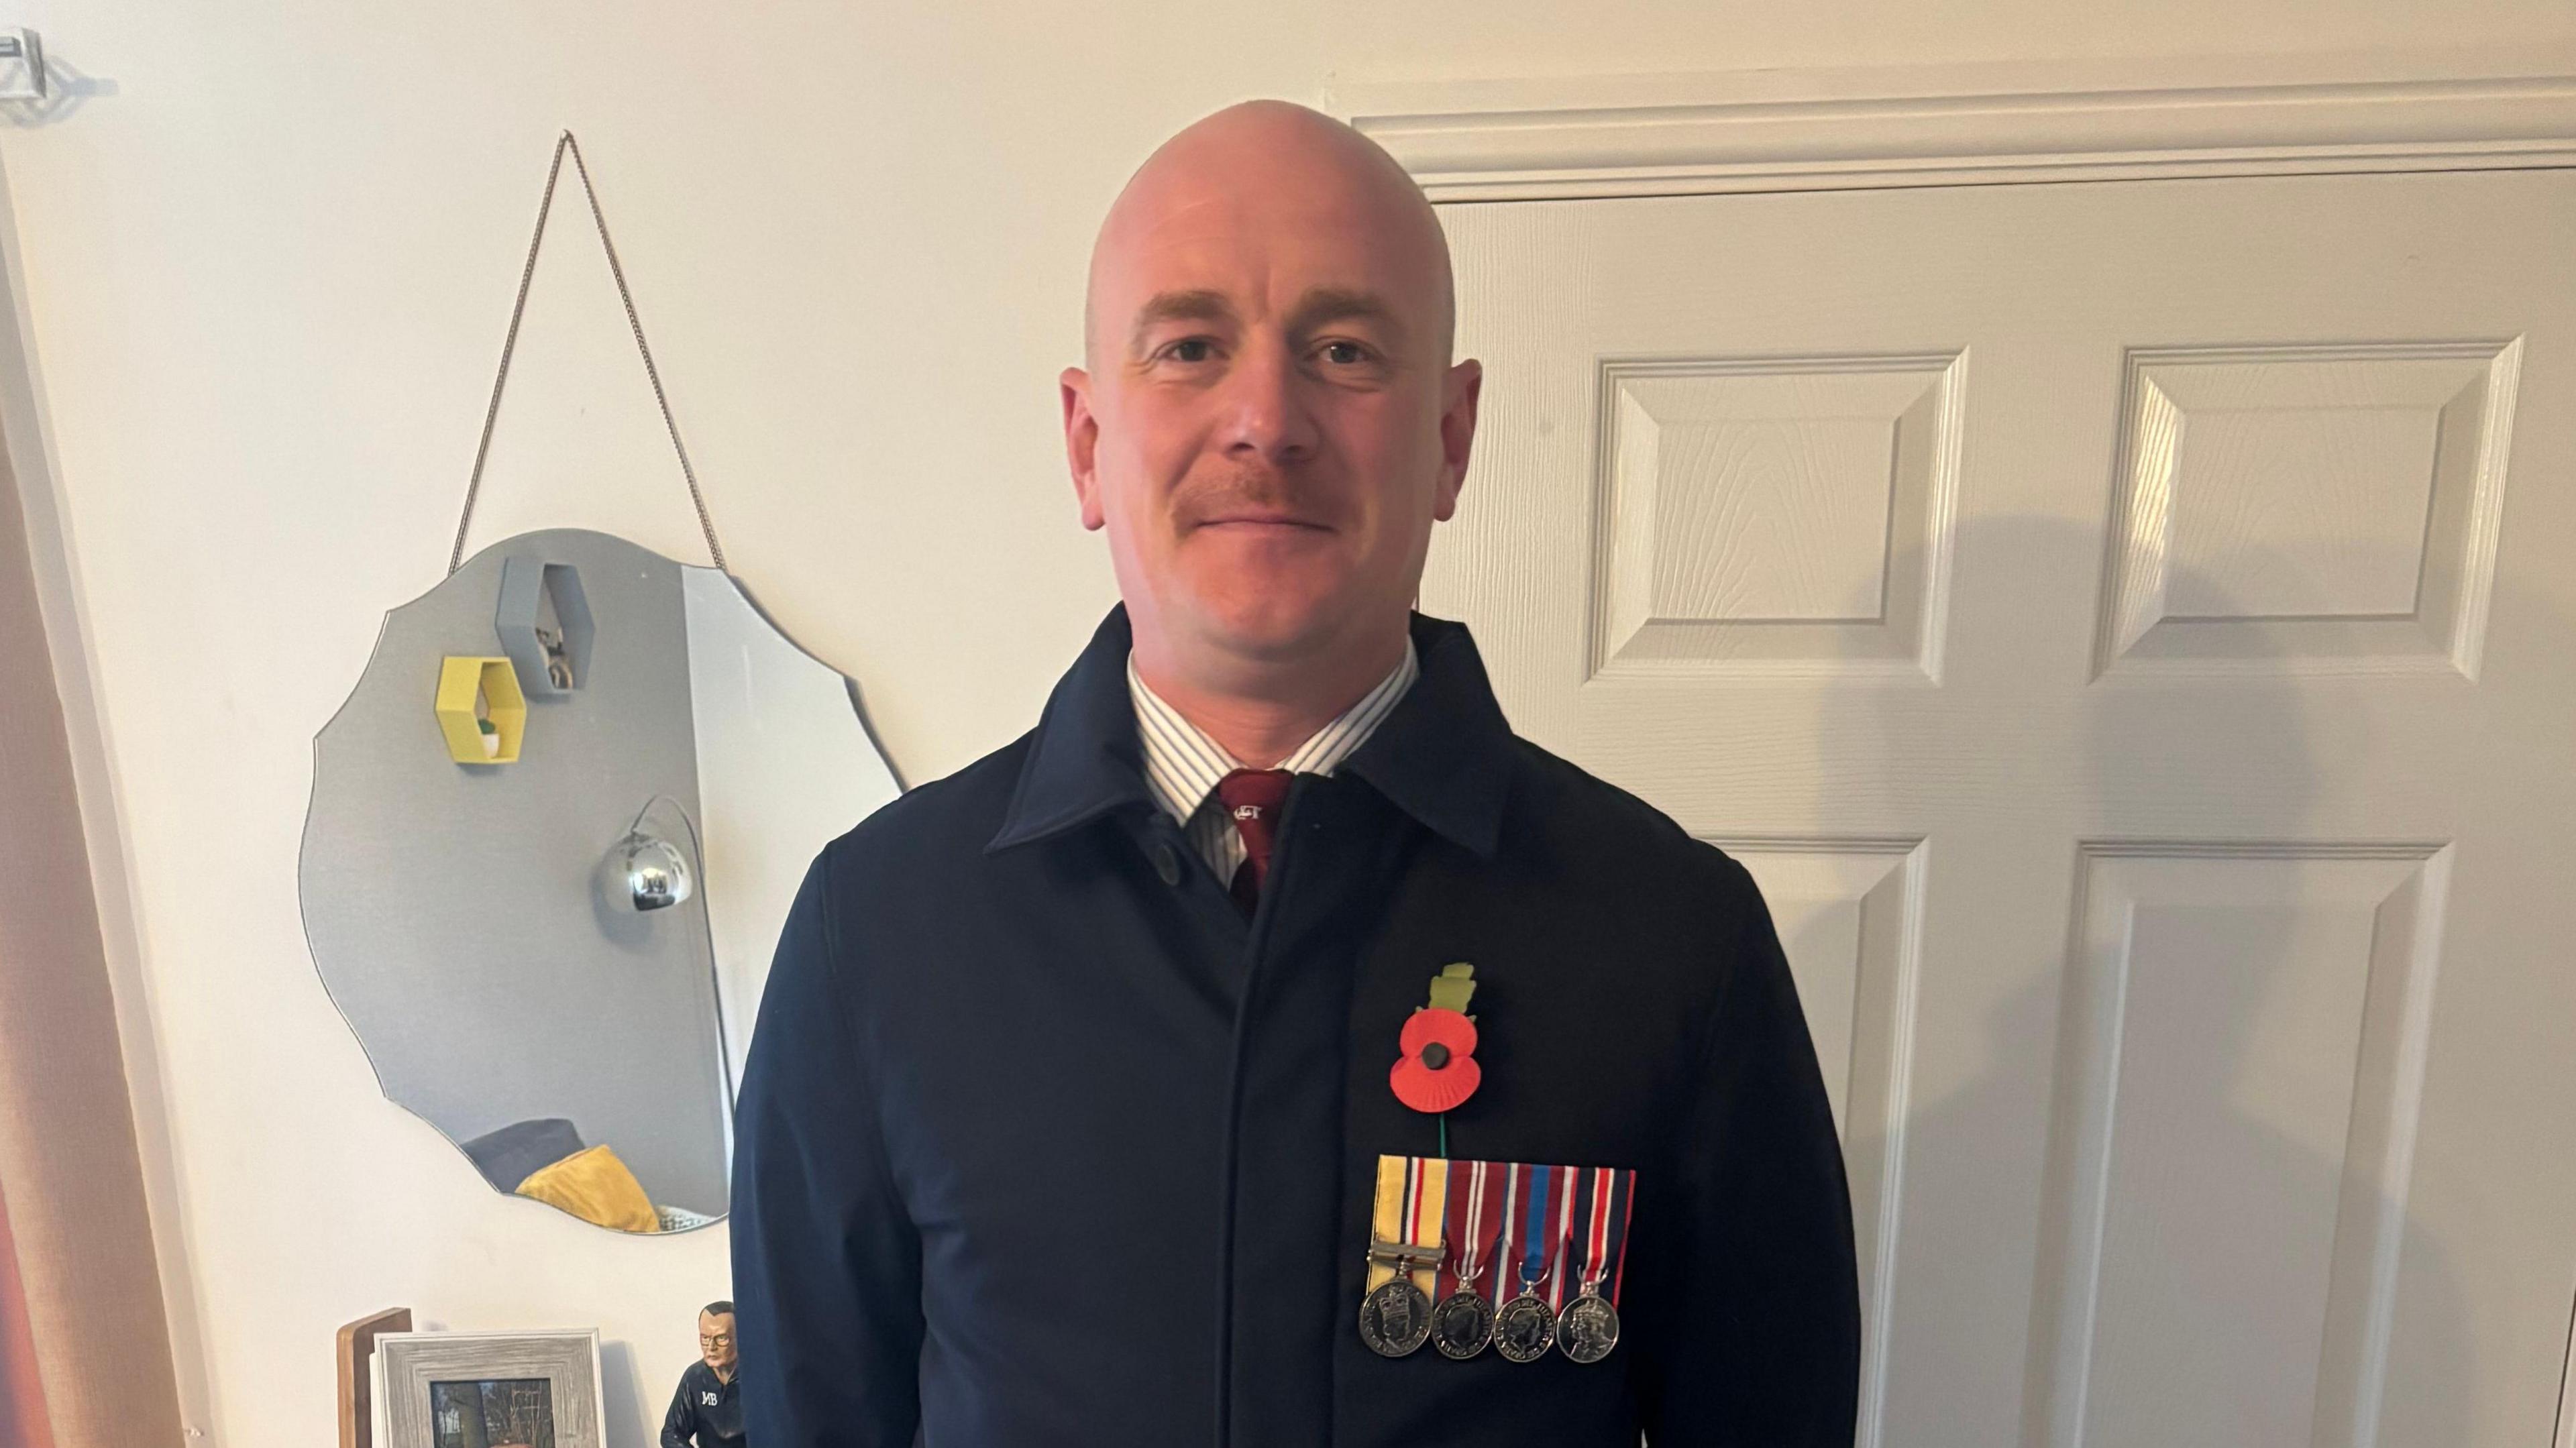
column 519, row 1150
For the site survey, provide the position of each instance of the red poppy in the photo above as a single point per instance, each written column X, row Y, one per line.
column 1438, row 1070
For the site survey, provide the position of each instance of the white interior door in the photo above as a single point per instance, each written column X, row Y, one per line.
column 2126, row 628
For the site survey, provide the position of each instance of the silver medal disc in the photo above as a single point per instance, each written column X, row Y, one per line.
column 1588, row 1328
column 1524, row 1330
column 1462, row 1325
column 1395, row 1318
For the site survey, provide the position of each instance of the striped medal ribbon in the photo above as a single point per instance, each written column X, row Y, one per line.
column 1588, row 1327
column 1463, row 1323
column 1525, row 1326
column 1404, row 1253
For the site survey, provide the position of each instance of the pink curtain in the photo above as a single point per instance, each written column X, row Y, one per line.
column 76, row 1251
column 22, row 1392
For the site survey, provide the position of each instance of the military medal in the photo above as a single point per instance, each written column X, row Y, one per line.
column 1404, row 1254
column 1463, row 1323
column 1525, row 1327
column 1524, row 1330
column 1588, row 1328
column 1395, row 1317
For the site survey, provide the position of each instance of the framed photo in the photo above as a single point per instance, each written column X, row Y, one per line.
column 491, row 1390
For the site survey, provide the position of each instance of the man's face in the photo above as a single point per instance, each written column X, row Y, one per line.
column 715, row 1340
column 1271, row 424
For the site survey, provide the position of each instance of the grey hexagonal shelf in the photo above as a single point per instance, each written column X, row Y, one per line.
column 544, row 624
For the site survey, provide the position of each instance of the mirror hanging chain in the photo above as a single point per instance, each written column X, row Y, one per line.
column 510, row 344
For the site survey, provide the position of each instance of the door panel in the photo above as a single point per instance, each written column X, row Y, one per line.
column 2126, row 630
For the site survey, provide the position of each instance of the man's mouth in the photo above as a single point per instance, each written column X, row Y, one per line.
column 1259, row 518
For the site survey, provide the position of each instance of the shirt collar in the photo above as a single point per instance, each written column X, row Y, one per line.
column 1441, row 753
column 1183, row 765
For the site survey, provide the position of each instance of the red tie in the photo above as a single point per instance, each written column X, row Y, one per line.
column 1252, row 797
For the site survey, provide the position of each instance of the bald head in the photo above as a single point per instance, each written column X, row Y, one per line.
column 1279, row 168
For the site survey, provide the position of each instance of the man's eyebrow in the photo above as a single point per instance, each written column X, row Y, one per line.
column 1342, row 304
column 1197, row 306
column 1314, row 309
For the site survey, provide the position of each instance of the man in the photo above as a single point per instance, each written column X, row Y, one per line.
column 707, row 1410
column 1075, row 1113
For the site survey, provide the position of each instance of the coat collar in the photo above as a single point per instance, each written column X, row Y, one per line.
column 1442, row 757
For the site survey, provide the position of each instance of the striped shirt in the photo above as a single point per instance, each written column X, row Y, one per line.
column 1183, row 765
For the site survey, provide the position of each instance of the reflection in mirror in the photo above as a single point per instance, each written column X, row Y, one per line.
column 554, row 834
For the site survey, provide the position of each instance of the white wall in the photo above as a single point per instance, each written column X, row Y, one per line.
column 266, row 262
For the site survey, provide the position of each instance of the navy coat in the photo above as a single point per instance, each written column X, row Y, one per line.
column 1042, row 1145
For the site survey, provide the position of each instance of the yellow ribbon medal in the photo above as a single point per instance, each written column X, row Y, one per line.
column 1406, row 1245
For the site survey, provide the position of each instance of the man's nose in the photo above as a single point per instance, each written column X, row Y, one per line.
column 1268, row 416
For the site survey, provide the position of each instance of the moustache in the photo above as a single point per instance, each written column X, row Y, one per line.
column 1256, row 492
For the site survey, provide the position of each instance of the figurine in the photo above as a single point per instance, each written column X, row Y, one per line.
column 558, row 656
column 707, row 1411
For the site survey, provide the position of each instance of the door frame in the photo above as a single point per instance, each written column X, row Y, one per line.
column 1971, row 124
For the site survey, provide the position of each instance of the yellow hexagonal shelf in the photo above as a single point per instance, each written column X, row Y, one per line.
column 474, row 690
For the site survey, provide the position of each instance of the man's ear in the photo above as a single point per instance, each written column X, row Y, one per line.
column 1457, row 433
column 1081, row 443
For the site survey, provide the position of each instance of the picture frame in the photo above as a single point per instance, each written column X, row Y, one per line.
column 357, row 1354
column 491, row 1389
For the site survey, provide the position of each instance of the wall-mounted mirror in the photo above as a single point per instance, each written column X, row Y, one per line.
column 554, row 834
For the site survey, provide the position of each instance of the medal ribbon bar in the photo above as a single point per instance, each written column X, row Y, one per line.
column 1569, row 1182
column 1541, row 1225
column 1602, row 1258
column 1502, row 1285
column 1407, row 1228
column 1475, row 1220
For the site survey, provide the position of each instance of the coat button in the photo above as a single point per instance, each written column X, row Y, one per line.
column 1167, row 862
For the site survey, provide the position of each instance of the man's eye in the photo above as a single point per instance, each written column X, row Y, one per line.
column 1192, row 349
column 1343, row 354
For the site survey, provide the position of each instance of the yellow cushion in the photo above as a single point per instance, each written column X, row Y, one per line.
column 595, row 1186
